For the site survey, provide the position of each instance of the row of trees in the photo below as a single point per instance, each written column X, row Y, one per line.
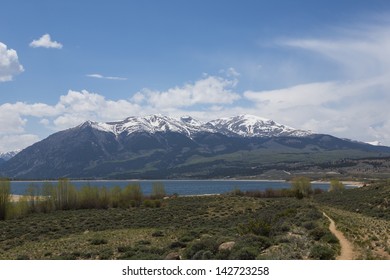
column 301, row 187
column 65, row 196
column 5, row 195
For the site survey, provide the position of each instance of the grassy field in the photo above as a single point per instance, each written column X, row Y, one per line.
column 185, row 227
column 231, row 226
column 363, row 215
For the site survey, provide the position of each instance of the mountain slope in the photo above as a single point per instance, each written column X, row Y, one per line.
column 161, row 147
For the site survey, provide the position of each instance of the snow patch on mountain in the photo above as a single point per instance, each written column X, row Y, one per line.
column 242, row 126
column 253, row 126
column 375, row 143
column 8, row 155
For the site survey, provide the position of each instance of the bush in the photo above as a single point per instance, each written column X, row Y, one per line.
column 203, row 255
column 317, row 233
column 204, row 245
column 177, row 244
column 148, row 203
column 158, row 233
column 98, row 241
column 301, row 187
column 250, row 240
column 257, row 227
column 336, row 186
column 330, row 238
column 322, row 252
column 245, row 253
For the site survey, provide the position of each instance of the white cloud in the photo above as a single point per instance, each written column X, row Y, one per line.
column 361, row 51
column 345, row 109
column 45, row 42
column 76, row 107
column 209, row 90
column 15, row 142
column 99, row 76
column 9, row 63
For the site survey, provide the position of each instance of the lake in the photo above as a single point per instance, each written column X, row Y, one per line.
column 180, row 187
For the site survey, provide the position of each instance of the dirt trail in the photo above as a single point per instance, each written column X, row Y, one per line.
column 347, row 252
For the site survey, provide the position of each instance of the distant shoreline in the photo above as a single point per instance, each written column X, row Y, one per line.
column 356, row 184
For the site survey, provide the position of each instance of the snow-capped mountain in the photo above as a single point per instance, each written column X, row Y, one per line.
column 8, row 155
column 152, row 124
column 159, row 147
column 242, row 125
column 253, row 126
column 375, row 143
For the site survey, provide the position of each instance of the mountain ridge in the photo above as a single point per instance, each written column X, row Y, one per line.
column 242, row 125
column 158, row 147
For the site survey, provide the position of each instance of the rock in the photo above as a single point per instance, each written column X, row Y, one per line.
column 173, row 256
column 226, row 246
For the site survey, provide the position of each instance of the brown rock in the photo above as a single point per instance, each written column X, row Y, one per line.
column 173, row 256
column 226, row 246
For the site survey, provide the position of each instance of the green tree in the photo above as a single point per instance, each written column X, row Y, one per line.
column 66, row 195
column 132, row 195
column 158, row 190
column 301, row 187
column 104, row 198
column 32, row 195
column 5, row 195
column 88, row 197
column 47, row 204
column 116, row 197
column 336, row 186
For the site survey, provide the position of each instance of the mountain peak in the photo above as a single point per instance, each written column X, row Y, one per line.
column 244, row 125
column 8, row 155
column 254, row 126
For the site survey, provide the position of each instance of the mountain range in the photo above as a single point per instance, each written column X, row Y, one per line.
column 158, row 147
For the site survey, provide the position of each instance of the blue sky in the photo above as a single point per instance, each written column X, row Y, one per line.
column 318, row 65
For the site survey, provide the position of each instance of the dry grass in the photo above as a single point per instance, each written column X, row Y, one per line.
column 369, row 235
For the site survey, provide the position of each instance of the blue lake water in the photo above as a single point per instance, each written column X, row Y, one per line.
column 181, row 187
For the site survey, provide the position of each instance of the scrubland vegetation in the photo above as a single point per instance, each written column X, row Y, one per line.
column 99, row 223
column 363, row 214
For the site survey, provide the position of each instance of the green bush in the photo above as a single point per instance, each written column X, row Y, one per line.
column 158, row 233
column 177, row 244
column 203, row 255
column 245, row 253
column 98, row 241
column 257, row 227
column 330, row 238
column 205, row 244
column 250, row 240
column 322, row 252
column 317, row 233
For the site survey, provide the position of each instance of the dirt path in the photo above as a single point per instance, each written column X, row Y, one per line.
column 347, row 252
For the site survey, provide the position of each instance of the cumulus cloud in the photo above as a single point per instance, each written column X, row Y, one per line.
column 45, row 42
column 209, row 90
column 99, row 76
column 9, row 63
column 15, row 142
column 345, row 109
column 76, row 107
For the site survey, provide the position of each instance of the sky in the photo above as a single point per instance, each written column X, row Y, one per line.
column 323, row 66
